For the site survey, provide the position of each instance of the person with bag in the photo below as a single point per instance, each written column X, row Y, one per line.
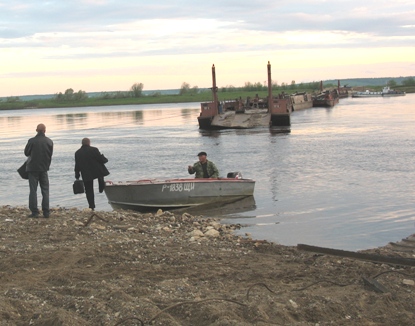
column 39, row 150
column 90, row 164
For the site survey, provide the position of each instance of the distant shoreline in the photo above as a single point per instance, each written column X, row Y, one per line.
column 15, row 103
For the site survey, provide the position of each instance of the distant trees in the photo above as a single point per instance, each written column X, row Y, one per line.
column 293, row 85
column 391, row 83
column 70, row 95
column 253, row 87
column 185, row 89
column 137, row 90
column 115, row 95
column 408, row 81
column 12, row 99
column 228, row 88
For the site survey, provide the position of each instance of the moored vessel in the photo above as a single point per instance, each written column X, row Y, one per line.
column 326, row 98
column 239, row 114
column 153, row 194
column 301, row 101
column 367, row 93
column 387, row 91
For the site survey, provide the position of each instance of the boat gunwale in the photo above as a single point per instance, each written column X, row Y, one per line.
column 145, row 182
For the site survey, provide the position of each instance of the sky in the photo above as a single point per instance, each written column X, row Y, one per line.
column 47, row 47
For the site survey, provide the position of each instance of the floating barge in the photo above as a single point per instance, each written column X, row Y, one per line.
column 301, row 101
column 326, row 98
column 251, row 113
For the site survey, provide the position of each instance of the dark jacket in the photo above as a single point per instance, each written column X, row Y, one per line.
column 39, row 149
column 90, row 163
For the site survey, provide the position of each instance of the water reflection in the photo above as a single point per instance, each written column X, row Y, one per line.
column 274, row 131
column 224, row 209
column 97, row 117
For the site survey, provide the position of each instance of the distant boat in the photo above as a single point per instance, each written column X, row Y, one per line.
column 344, row 91
column 367, row 93
column 391, row 92
column 153, row 194
column 386, row 92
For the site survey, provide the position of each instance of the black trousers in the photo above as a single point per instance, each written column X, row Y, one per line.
column 39, row 178
column 89, row 190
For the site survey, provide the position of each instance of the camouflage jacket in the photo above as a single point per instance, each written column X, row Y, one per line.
column 198, row 169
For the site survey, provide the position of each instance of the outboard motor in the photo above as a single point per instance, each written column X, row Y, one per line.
column 234, row 175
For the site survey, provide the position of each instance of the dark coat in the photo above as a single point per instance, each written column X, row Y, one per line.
column 39, row 149
column 90, row 163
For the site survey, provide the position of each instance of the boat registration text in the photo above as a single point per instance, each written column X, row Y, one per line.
column 178, row 187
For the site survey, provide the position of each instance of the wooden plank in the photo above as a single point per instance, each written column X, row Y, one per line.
column 401, row 247
column 358, row 255
column 375, row 285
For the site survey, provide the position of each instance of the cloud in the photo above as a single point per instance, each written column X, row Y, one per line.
column 45, row 34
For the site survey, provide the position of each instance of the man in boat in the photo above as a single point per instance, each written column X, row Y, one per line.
column 89, row 163
column 203, row 168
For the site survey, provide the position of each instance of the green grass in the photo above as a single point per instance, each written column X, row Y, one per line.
column 200, row 97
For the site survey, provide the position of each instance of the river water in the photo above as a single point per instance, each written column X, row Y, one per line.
column 342, row 177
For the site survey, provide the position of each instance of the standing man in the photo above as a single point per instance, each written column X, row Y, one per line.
column 39, row 150
column 203, row 168
column 89, row 162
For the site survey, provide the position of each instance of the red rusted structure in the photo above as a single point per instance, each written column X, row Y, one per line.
column 280, row 107
column 275, row 111
column 326, row 98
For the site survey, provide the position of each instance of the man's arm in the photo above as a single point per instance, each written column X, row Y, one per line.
column 191, row 169
column 215, row 170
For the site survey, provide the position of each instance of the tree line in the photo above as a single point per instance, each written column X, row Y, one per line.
column 136, row 90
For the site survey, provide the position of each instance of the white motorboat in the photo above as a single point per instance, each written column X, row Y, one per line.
column 367, row 93
column 391, row 92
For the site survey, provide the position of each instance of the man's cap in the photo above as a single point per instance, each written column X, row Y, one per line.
column 202, row 153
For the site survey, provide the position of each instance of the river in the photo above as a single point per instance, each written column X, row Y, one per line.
column 342, row 177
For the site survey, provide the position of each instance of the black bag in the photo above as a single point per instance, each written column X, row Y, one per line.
column 22, row 171
column 78, row 187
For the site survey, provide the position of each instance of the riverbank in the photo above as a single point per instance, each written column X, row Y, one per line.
column 127, row 268
column 205, row 96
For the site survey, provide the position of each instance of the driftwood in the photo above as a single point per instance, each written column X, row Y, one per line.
column 358, row 255
column 92, row 216
column 375, row 285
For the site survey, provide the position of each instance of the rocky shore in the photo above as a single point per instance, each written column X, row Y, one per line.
column 126, row 268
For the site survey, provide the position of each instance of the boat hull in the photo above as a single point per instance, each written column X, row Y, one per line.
column 327, row 103
column 393, row 94
column 363, row 94
column 248, row 119
column 145, row 195
column 301, row 101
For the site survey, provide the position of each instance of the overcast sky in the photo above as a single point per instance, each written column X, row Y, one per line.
column 47, row 47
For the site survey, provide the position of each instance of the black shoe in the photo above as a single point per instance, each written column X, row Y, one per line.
column 46, row 215
column 33, row 215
